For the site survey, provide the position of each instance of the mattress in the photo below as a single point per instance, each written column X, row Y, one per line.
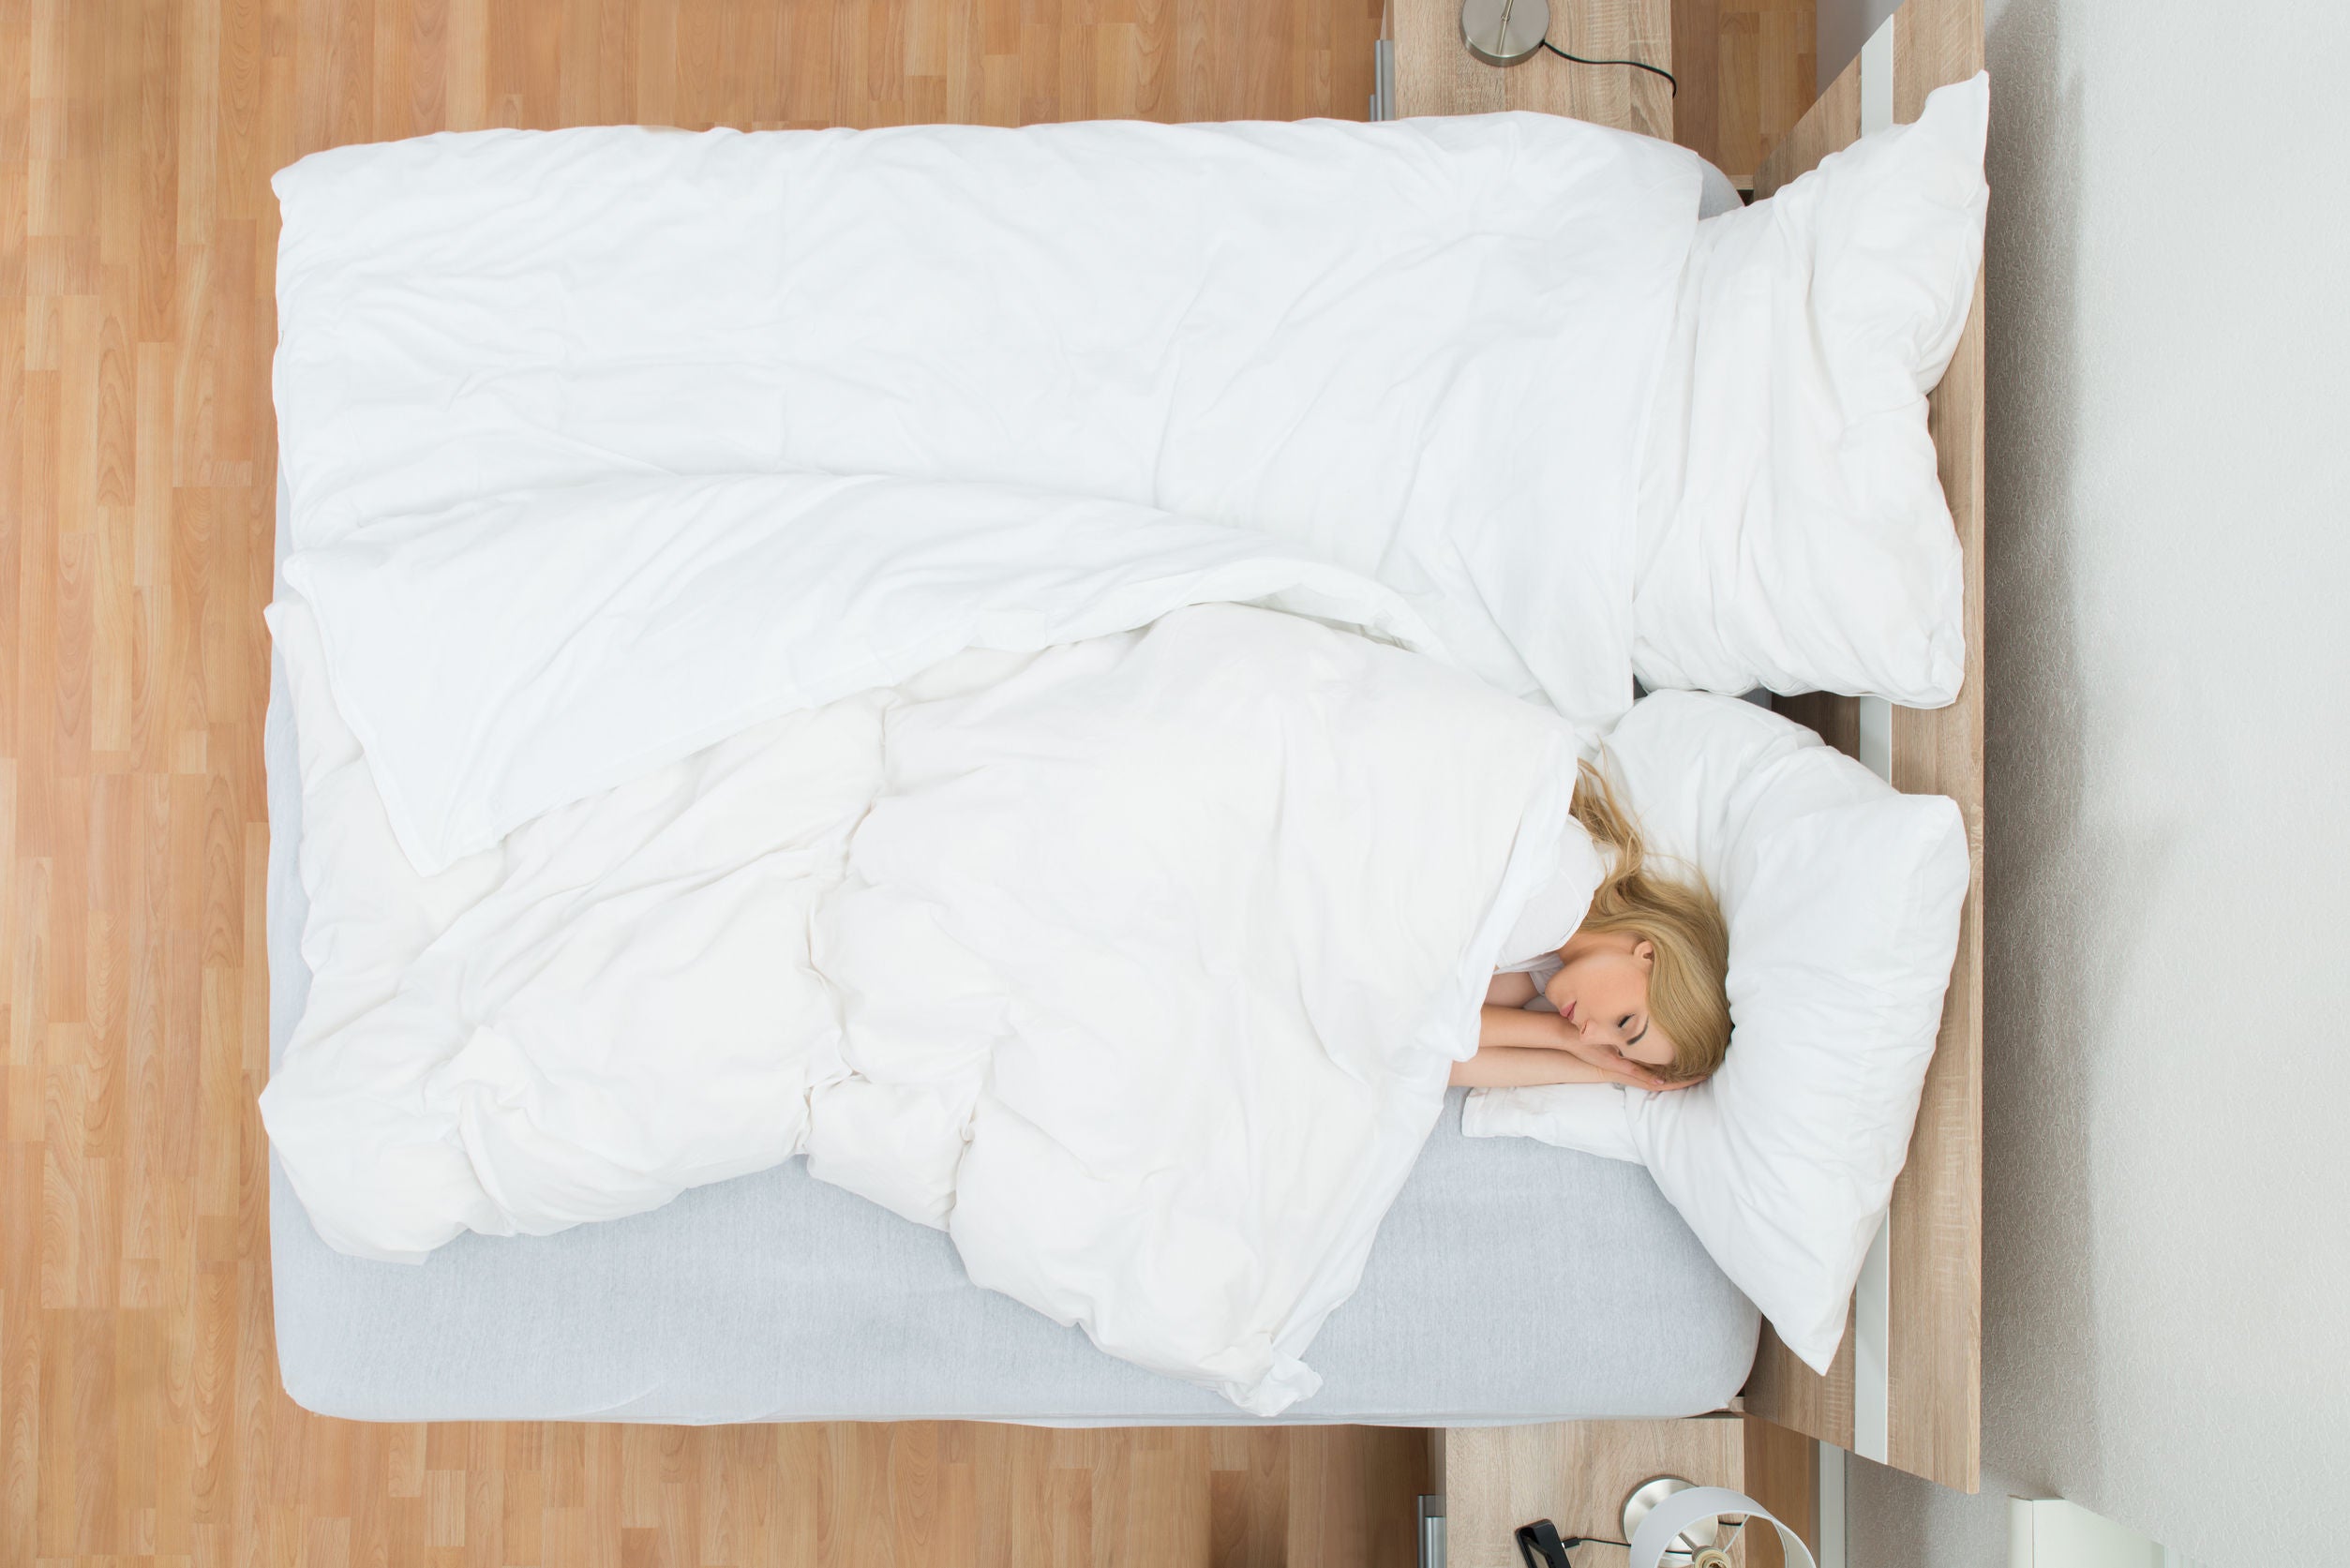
column 1510, row 1281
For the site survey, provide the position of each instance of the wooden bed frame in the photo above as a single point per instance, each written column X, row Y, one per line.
column 1906, row 1386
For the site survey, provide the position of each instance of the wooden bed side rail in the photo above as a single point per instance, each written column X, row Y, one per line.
column 1923, row 1408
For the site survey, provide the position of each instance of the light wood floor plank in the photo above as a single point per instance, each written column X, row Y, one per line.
column 139, row 1413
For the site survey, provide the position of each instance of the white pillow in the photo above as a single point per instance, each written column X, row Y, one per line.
column 1793, row 528
column 1843, row 898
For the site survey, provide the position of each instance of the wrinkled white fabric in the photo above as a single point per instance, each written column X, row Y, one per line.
column 559, row 642
column 1420, row 349
column 1557, row 908
column 989, row 659
column 1136, row 961
column 1793, row 532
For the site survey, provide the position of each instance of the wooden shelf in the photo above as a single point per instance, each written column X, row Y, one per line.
column 1435, row 73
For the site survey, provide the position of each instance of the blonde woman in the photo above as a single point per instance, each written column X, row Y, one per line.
column 1635, row 996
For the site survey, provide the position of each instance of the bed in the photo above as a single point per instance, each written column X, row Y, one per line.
column 778, row 1297
column 1456, row 1271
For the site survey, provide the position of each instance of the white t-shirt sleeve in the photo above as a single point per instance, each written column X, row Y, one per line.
column 1557, row 907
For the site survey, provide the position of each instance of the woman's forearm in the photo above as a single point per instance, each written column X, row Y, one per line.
column 1517, row 1066
column 1516, row 1026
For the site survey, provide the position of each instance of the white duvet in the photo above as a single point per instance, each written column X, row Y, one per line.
column 1137, row 962
column 989, row 660
column 1422, row 351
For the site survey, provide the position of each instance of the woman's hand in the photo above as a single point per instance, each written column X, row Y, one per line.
column 1632, row 1075
column 1611, row 1068
column 1616, row 1068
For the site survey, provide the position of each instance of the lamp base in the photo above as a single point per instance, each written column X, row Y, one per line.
column 1689, row 1546
column 1504, row 32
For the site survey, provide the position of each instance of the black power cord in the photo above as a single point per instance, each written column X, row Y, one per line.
column 1539, row 1545
column 1636, row 64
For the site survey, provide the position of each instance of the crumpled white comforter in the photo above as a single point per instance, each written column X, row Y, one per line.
column 792, row 653
column 1136, row 961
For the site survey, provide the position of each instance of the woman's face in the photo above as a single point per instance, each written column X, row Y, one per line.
column 1602, row 994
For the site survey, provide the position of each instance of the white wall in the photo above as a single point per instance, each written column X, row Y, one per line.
column 2167, row 1122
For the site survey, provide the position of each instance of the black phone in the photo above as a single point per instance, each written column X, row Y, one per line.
column 1539, row 1546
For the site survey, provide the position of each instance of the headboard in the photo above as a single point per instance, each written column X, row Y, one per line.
column 1906, row 1386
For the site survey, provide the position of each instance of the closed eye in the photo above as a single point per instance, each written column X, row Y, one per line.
column 1636, row 1038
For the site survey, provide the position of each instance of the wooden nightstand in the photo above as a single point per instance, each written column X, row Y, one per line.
column 1435, row 73
column 1575, row 1475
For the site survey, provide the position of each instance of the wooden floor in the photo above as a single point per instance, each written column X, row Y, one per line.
column 141, row 1418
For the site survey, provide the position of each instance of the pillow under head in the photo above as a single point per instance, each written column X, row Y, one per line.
column 1843, row 898
column 1793, row 529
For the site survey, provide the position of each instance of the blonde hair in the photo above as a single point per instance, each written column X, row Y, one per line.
column 1687, row 995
